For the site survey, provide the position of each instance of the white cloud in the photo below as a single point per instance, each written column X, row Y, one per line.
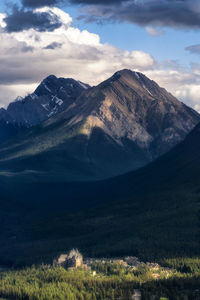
column 2, row 23
column 25, row 61
column 154, row 31
column 12, row 91
column 81, row 55
column 63, row 17
column 183, row 84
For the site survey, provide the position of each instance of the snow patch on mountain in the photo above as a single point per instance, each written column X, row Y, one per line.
column 33, row 96
column 58, row 100
column 83, row 85
column 137, row 75
column 147, row 90
column 19, row 98
column 52, row 96
column 46, row 87
column 45, row 106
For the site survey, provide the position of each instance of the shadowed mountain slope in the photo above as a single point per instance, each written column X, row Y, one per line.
column 118, row 126
column 151, row 213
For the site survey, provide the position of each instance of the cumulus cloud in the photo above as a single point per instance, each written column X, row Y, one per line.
column 53, row 46
column 182, row 83
column 21, row 19
column 29, row 56
column 149, row 13
column 12, row 91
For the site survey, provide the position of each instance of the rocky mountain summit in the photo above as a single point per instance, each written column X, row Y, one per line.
column 118, row 126
column 130, row 108
column 52, row 96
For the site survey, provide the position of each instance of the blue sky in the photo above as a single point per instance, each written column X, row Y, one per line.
column 171, row 45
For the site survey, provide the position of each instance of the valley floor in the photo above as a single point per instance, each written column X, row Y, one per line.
column 177, row 279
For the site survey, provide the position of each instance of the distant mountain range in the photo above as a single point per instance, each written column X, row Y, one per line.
column 94, row 133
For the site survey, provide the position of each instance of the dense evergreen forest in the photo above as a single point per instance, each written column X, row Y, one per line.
column 179, row 279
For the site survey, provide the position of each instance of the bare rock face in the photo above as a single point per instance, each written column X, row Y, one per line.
column 131, row 107
column 118, row 126
column 51, row 97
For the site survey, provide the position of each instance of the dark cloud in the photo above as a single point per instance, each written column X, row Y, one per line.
column 194, row 49
column 21, row 19
column 97, row 2
column 53, row 46
column 39, row 3
column 26, row 49
column 165, row 13
column 154, row 13
column 17, row 50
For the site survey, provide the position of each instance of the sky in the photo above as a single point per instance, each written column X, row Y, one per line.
column 89, row 40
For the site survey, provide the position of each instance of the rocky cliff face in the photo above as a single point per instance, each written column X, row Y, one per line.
column 130, row 107
column 52, row 96
column 118, row 126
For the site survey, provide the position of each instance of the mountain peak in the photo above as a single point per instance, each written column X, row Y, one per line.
column 50, row 77
column 53, row 95
column 46, row 85
column 19, row 98
column 136, row 81
column 127, row 73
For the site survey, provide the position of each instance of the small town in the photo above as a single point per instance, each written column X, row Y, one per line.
column 74, row 260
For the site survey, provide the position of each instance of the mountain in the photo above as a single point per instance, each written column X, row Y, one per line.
column 152, row 213
column 52, row 96
column 118, row 126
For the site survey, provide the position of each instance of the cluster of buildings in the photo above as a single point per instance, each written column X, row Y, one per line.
column 74, row 259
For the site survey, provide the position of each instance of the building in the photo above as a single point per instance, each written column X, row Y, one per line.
column 73, row 259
